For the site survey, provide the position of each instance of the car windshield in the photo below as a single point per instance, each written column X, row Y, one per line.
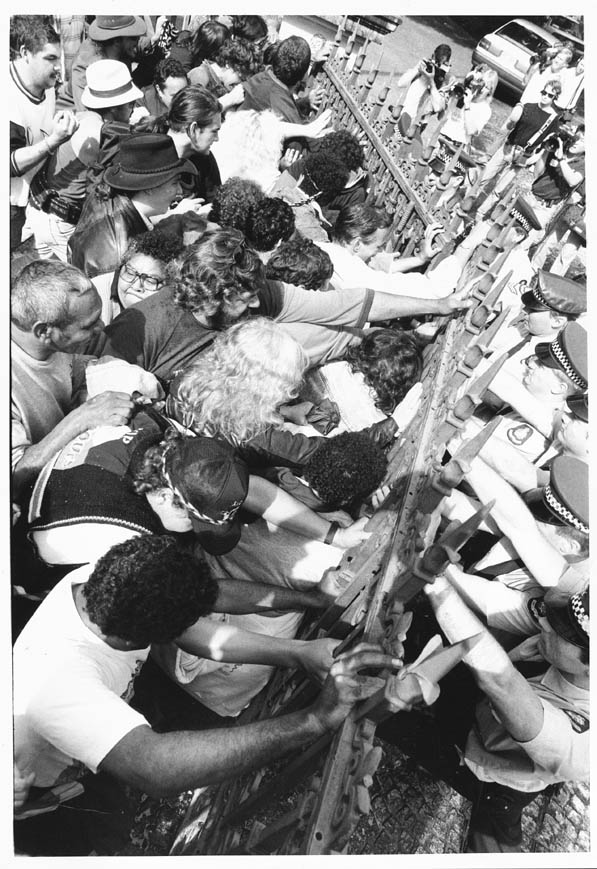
column 516, row 33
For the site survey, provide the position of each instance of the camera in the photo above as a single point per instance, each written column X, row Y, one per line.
column 551, row 143
column 429, row 66
column 458, row 91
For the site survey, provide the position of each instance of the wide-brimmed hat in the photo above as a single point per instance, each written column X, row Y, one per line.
column 212, row 481
column 109, row 83
column 146, row 160
column 567, row 353
column 557, row 293
column 106, row 27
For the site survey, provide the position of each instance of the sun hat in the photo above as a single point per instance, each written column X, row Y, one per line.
column 146, row 160
column 106, row 27
column 212, row 482
column 109, row 84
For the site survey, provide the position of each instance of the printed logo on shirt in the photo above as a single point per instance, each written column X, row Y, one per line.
column 519, row 434
column 536, row 607
column 580, row 723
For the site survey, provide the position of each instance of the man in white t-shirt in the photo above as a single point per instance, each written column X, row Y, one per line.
column 76, row 659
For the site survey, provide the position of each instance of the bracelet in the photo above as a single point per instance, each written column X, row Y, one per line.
column 331, row 532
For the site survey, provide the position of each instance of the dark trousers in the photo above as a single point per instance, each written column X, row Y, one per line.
column 495, row 824
column 17, row 222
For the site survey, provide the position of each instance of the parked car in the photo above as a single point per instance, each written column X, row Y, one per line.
column 510, row 50
column 380, row 23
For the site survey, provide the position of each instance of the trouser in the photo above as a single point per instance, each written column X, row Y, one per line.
column 51, row 233
column 495, row 824
column 17, row 222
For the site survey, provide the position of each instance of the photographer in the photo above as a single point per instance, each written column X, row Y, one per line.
column 467, row 112
column 428, row 83
column 561, row 167
column 559, row 174
column 529, row 125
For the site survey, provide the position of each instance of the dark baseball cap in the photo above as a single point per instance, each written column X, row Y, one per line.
column 212, row 481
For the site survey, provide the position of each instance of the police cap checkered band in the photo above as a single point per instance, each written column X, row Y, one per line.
column 521, row 219
column 570, row 618
column 566, row 515
column 560, row 354
column 577, row 605
column 540, row 297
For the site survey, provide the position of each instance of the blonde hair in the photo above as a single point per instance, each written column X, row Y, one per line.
column 235, row 388
column 250, row 147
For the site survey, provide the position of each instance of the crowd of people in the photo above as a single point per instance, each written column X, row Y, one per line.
column 213, row 349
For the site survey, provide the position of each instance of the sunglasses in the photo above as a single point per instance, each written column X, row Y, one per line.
column 548, row 94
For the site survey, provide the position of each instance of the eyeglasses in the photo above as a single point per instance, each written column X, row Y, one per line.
column 148, row 282
column 549, row 94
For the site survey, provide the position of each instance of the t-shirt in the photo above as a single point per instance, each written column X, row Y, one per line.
column 71, row 691
column 30, row 120
column 161, row 337
column 560, row 751
column 42, row 395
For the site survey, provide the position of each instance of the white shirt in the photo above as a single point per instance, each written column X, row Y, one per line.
column 350, row 271
column 71, row 690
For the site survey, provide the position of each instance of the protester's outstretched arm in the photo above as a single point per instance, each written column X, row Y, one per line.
column 163, row 764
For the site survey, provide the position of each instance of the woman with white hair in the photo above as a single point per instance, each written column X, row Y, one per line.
column 236, row 388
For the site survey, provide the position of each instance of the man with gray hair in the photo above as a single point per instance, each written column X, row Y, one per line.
column 54, row 308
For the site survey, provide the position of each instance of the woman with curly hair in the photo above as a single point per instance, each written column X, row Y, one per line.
column 146, row 266
column 232, row 201
column 237, row 387
column 372, row 379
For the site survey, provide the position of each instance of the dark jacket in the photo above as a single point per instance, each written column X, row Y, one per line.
column 103, row 233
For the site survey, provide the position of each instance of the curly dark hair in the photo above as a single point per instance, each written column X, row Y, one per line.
column 149, row 590
column 232, row 202
column 291, row 60
column 216, row 269
column 345, row 468
column 359, row 221
column 163, row 246
column 390, row 361
column 241, row 56
column 269, row 221
column 250, row 27
column 207, row 41
column 324, row 174
column 345, row 147
column 168, row 68
column 301, row 262
column 31, row 31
